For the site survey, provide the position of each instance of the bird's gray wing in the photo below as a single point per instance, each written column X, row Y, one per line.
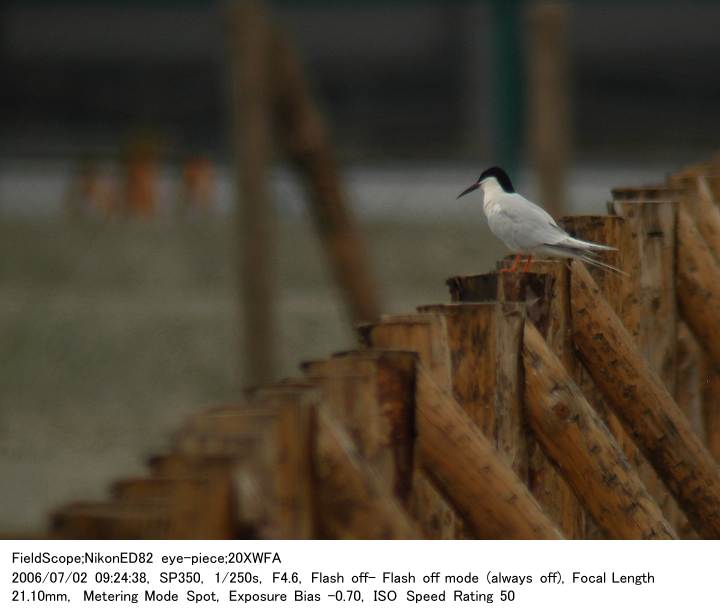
column 522, row 225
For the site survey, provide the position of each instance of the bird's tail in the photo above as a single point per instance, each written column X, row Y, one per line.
column 574, row 243
column 587, row 258
column 582, row 254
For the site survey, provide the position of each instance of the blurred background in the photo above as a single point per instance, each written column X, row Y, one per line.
column 121, row 299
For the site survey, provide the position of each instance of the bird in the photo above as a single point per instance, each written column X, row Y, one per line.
column 526, row 228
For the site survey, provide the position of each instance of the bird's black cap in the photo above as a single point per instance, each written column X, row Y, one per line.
column 500, row 175
column 493, row 172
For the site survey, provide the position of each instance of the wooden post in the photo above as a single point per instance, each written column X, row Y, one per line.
column 710, row 376
column 541, row 296
column 426, row 335
column 711, row 407
column 650, row 192
column 453, row 450
column 202, row 506
column 352, row 502
column 698, row 286
column 304, row 137
column 644, row 300
column 484, row 346
column 372, row 392
column 250, row 108
column 271, row 453
column 587, row 455
column 644, row 405
column 290, row 444
column 549, row 100
column 647, row 304
column 699, row 201
column 221, row 471
column 690, row 367
column 114, row 521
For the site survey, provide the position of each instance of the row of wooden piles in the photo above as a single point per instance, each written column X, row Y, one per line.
column 554, row 403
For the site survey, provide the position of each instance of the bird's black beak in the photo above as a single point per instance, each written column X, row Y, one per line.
column 475, row 186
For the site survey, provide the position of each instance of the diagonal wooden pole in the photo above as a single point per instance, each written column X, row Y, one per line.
column 643, row 404
column 304, row 137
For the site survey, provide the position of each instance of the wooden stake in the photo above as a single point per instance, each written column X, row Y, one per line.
column 698, row 286
column 352, row 502
column 711, row 406
column 542, row 295
column 203, row 510
column 114, row 521
column 304, row 137
column 372, row 392
column 579, row 443
column 250, row 107
column 644, row 300
column 644, row 405
column 690, row 367
column 484, row 345
column 471, row 475
column 426, row 335
column 700, row 202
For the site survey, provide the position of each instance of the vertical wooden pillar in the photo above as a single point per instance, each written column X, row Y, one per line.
column 484, row 342
column 426, row 335
column 549, row 100
column 248, row 35
column 488, row 365
column 352, row 501
column 372, row 392
column 618, row 290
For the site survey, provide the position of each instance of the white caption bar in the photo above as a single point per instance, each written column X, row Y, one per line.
column 354, row 577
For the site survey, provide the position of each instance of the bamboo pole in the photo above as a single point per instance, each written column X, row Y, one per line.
column 543, row 296
column 250, row 107
column 304, row 137
column 462, row 461
column 644, row 405
column 587, row 455
column 549, row 100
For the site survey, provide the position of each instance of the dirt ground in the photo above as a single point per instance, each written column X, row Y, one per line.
column 113, row 332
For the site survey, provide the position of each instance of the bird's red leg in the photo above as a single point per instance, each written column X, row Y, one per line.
column 510, row 270
column 527, row 264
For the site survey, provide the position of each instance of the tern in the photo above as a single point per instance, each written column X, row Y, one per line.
column 526, row 228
